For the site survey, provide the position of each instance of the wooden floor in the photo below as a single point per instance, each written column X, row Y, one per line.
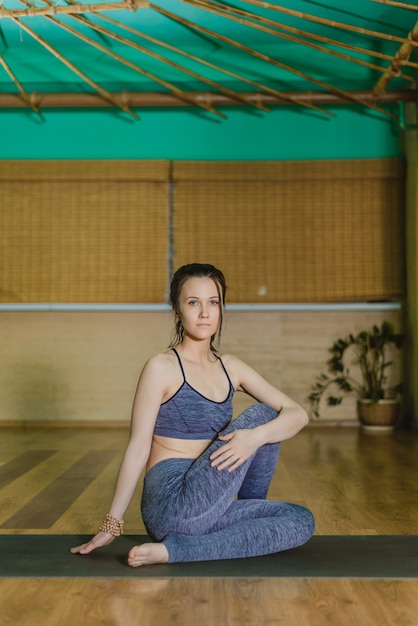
column 61, row 481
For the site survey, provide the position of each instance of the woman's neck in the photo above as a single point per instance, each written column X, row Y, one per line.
column 198, row 352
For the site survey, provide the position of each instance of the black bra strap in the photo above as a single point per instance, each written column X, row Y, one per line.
column 227, row 375
column 218, row 357
column 179, row 360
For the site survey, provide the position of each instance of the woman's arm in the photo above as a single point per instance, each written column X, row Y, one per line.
column 241, row 444
column 148, row 397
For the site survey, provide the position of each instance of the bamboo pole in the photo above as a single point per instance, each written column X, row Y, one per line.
column 234, row 14
column 270, row 60
column 401, row 5
column 178, row 92
column 164, row 99
column 325, row 22
column 105, row 94
column 33, row 11
column 28, row 98
column 404, row 52
column 326, row 40
column 229, row 92
column 239, row 77
column 178, row 51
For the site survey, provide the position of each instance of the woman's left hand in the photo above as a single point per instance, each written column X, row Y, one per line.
column 238, row 447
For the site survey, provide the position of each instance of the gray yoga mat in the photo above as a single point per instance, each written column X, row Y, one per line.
column 324, row 556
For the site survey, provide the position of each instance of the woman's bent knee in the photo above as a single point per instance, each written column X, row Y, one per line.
column 255, row 415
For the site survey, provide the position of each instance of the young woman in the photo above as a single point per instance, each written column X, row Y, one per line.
column 207, row 477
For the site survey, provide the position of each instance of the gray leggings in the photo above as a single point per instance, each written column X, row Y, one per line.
column 192, row 507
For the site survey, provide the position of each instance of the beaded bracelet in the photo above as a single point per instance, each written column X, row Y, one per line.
column 112, row 525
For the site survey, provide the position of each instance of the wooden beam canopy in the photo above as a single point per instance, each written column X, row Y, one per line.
column 103, row 92
column 347, row 95
column 324, row 21
column 238, row 15
column 265, row 93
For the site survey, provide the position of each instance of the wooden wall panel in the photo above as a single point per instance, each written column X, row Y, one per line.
column 83, row 367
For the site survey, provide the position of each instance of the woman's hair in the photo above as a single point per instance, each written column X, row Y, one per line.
column 196, row 270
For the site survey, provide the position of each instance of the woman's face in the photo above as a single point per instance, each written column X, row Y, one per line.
column 199, row 308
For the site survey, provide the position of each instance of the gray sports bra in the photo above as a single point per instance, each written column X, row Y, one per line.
column 190, row 415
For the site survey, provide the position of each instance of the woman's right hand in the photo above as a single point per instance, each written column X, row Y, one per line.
column 99, row 541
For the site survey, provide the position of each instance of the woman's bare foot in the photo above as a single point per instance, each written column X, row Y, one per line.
column 148, row 554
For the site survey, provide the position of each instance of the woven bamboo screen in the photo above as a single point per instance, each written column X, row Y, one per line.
column 93, row 231
column 306, row 231
column 103, row 231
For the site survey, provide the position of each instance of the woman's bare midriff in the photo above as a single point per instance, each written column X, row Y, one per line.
column 169, row 448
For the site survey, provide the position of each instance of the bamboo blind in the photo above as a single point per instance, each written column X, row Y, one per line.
column 94, row 231
column 103, row 231
column 307, row 231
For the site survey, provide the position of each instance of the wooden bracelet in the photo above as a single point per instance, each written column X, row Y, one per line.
column 112, row 525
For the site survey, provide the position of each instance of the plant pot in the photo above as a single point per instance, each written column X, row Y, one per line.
column 378, row 417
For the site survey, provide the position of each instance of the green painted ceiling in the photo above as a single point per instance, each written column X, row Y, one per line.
column 201, row 58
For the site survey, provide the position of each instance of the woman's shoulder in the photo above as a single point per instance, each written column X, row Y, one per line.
column 232, row 362
column 230, row 358
column 238, row 371
column 236, row 366
column 160, row 364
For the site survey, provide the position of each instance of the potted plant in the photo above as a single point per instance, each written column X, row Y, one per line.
column 378, row 405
